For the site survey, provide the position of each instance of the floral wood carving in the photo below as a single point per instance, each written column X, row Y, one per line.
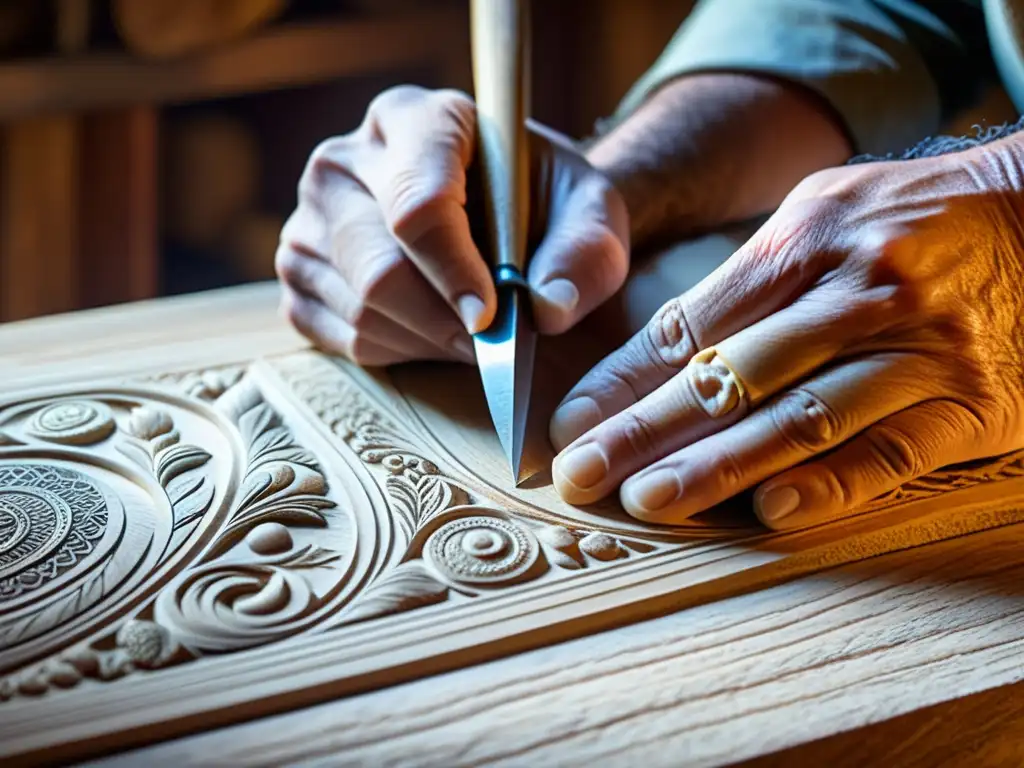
column 248, row 585
column 490, row 548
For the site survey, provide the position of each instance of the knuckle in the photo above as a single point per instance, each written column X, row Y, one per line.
column 292, row 312
column 726, row 471
column 417, row 204
column 329, row 156
column 894, row 450
column 611, row 254
column 375, row 280
column 396, row 96
column 287, row 265
column 837, row 489
column 805, row 422
column 639, row 433
column 456, row 105
column 671, row 343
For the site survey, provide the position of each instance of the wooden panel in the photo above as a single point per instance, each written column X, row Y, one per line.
column 118, row 188
column 198, row 543
column 39, row 218
column 812, row 663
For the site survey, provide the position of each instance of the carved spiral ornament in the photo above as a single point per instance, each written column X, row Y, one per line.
column 482, row 550
column 73, row 422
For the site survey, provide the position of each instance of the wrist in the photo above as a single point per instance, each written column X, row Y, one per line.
column 710, row 149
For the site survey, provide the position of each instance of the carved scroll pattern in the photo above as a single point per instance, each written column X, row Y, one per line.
column 251, row 583
column 455, row 540
column 952, row 479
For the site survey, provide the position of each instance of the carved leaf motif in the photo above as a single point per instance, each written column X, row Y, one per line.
column 282, row 493
column 156, row 447
column 435, row 495
column 270, row 441
column 190, row 498
column 283, row 482
column 407, row 586
column 178, row 459
column 310, row 557
column 404, row 502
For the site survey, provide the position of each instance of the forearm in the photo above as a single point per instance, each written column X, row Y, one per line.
column 709, row 149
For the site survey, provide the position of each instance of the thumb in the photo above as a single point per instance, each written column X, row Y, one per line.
column 584, row 256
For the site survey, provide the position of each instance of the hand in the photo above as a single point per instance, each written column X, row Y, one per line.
column 870, row 332
column 378, row 261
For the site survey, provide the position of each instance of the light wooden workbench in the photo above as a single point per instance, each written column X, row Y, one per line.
column 910, row 659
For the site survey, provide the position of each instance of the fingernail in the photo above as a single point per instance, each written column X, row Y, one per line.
column 471, row 310
column 464, row 348
column 560, row 292
column 653, row 491
column 776, row 503
column 583, row 467
column 572, row 419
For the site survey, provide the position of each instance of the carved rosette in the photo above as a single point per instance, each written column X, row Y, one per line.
column 51, row 519
column 482, row 550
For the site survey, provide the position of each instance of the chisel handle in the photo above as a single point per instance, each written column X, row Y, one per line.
column 501, row 53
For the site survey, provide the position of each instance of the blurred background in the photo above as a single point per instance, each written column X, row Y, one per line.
column 152, row 147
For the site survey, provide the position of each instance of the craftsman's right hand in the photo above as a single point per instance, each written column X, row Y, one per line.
column 378, row 263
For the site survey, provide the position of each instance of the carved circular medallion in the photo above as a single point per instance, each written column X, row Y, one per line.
column 50, row 518
column 73, row 422
column 481, row 550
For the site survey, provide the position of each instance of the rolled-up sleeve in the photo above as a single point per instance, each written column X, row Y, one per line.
column 882, row 65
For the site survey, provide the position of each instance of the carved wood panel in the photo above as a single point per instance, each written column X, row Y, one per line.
column 234, row 542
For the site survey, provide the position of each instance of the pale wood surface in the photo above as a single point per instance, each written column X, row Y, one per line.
column 709, row 686
column 813, row 659
column 161, row 332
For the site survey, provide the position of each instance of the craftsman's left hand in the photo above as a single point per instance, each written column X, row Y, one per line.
column 872, row 331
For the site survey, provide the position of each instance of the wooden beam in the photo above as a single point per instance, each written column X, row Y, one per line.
column 39, row 218
column 287, row 56
column 119, row 221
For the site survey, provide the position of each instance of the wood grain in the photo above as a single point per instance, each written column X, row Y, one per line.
column 712, row 685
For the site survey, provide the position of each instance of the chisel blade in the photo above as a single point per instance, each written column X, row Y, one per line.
column 505, row 354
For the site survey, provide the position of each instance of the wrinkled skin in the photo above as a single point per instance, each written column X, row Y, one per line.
column 378, row 261
column 879, row 316
column 876, row 317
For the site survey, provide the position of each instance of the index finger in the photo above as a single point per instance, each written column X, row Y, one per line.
column 424, row 141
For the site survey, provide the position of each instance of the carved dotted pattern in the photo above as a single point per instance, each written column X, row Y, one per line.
column 50, row 518
column 481, row 550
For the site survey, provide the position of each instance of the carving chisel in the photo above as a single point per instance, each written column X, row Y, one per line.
column 505, row 350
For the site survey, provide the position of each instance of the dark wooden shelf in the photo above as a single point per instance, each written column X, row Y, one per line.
column 286, row 56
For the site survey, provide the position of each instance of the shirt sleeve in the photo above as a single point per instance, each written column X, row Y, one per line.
column 891, row 69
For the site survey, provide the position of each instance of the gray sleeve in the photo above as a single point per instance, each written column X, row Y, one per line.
column 891, row 69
